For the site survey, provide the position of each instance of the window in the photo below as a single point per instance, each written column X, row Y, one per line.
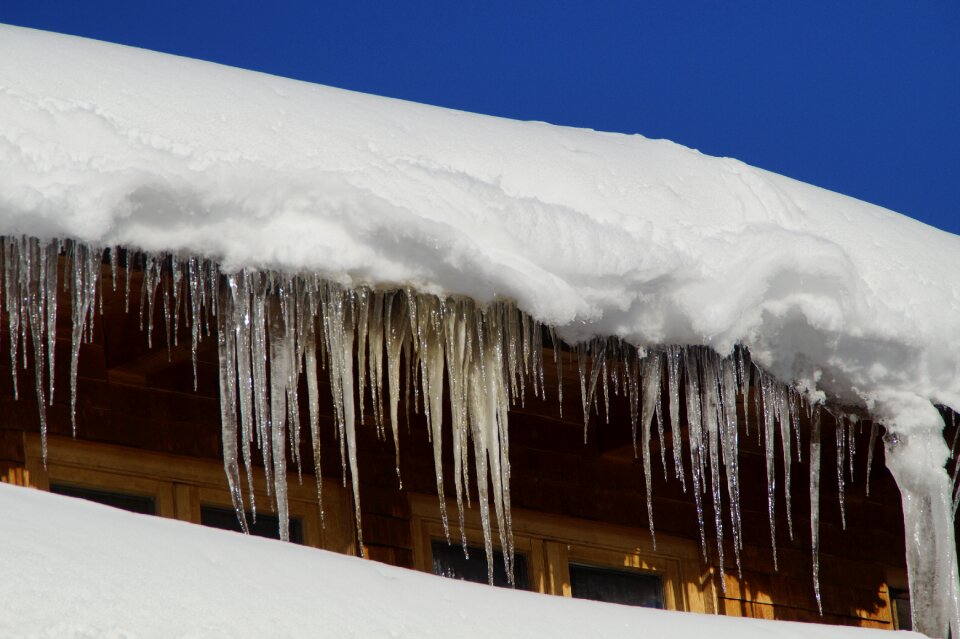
column 449, row 560
column 125, row 501
column 628, row 587
column 898, row 595
column 265, row 525
column 901, row 609
column 900, row 605
column 184, row 488
column 571, row 558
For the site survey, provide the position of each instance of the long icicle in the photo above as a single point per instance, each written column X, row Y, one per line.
column 228, row 402
column 815, row 502
column 652, row 366
column 769, row 434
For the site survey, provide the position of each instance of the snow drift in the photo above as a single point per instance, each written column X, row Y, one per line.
column 93, row 571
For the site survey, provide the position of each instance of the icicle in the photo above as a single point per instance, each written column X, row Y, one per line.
column 397, row 333
column 177, row 267
column 281, row 364
column 24, row 310
column 126, row 282
column 783, row 416
column 658, row 413
column 293, row 398
column 674, row 355
column 375, row 346
column 793, row 399
column 313, row 399
column 457, row 347
column 652, row 366
column 228, row 406
column 412, row 356
column 851, row 443
column 633, row 394
column 710, row 407
column 766, row 391
column 815, row 502
column 916, row 460
column 956, row 440
column 193, row 285
column 731, row 450
column 50, row 298
column 501, row 468
column 241, row 319
column 95, row 272
column 513, row 359
column 80, row 304
column 695, row 439
column 558, row 362
column 339, row 328
column 841, row 436
column 33, row 281
column 956, row 499
column 363, row 321
column 258, row 355
column 585, row 399
column 874, row 430
column 213, row 283
column 744, row 369
column 431, row 352
column 597, row 350
column 114, row 266
column 488, row 402
column 168, row 318
column 955, row 477
column 146, row 297
column 11, row 277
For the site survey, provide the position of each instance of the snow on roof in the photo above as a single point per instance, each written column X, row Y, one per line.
column 593, row 233
column 109, row 573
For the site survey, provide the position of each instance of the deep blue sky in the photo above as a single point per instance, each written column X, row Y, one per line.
column 858, row 97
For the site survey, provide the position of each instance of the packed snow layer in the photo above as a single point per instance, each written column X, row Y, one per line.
column 77, row 569
column 592, row 233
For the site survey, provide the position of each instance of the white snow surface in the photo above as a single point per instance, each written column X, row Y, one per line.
column 78, row 569
column 593, row 233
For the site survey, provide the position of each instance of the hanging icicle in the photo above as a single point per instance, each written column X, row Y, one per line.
column 815, row 502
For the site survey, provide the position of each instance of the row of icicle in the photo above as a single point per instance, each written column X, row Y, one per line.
column 271, row 328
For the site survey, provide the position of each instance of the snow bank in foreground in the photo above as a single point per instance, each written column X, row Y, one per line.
column 76, row 569
column 593, row 233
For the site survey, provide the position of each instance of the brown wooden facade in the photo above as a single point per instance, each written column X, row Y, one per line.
column 141, row 428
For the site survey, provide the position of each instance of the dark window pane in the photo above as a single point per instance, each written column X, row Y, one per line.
column 265, row 526
column 124, row 501
column 901, row 602
column 629, row 587
column 449, row 561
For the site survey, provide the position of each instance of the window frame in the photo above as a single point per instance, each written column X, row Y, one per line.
column 896, row 581
column 180, row 484
column 552, row 542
